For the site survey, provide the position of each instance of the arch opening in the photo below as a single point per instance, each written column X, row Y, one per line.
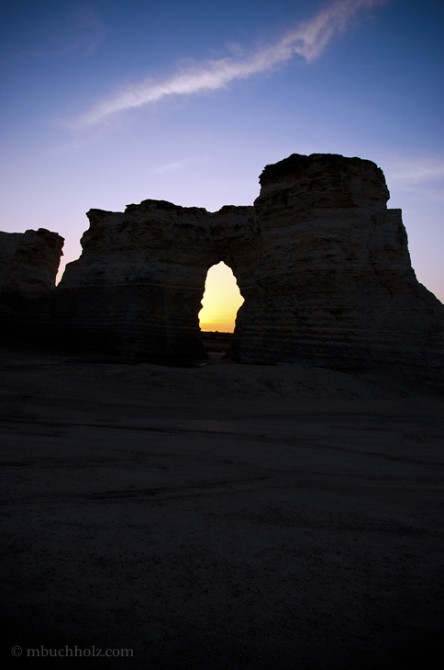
column 220, row 303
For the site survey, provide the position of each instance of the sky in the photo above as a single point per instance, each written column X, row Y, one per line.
column 110, row 102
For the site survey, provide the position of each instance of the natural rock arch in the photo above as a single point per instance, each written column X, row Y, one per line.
column 147, row 267
column 322, row 263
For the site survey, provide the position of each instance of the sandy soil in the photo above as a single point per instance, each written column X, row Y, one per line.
column 220, row 517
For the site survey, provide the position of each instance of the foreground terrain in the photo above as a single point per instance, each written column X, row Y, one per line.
column 220, row 517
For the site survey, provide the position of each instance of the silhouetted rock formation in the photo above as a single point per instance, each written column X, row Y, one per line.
column 333, row 281
column 322, row 263
column 29, row 261
column 138, row 285
column 28, row 267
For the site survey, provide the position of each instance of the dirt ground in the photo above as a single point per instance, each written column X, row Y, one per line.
column 222, row 517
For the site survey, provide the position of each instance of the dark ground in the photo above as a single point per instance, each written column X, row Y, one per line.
column 225, row 517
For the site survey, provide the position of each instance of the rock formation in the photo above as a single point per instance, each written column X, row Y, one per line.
column 333, row 282
column 29, row 261
column 28, row 267
column 321, row 262
column 138, row 285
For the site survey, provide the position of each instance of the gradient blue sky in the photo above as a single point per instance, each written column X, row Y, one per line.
column 108, row 102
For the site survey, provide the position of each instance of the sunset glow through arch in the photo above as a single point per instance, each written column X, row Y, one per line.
column 221, row 300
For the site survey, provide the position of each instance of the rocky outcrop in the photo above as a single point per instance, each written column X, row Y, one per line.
column 321, row 262
column 138, row 285
column 333, row 283
column 29, row 262
column 28, row 267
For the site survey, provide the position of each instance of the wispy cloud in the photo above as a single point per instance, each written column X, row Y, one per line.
column 90, row 29
column 411, row 172
column 308, row 40
column 421, row 176
column 80, row 30
column 172, row 167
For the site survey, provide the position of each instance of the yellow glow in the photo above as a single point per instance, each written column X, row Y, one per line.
column 221, row 300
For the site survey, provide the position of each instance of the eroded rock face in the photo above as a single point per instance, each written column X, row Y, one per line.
column 322, row 263
column 333, row 282
column 138, row 285
column 28, row 267
column 29, row 261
